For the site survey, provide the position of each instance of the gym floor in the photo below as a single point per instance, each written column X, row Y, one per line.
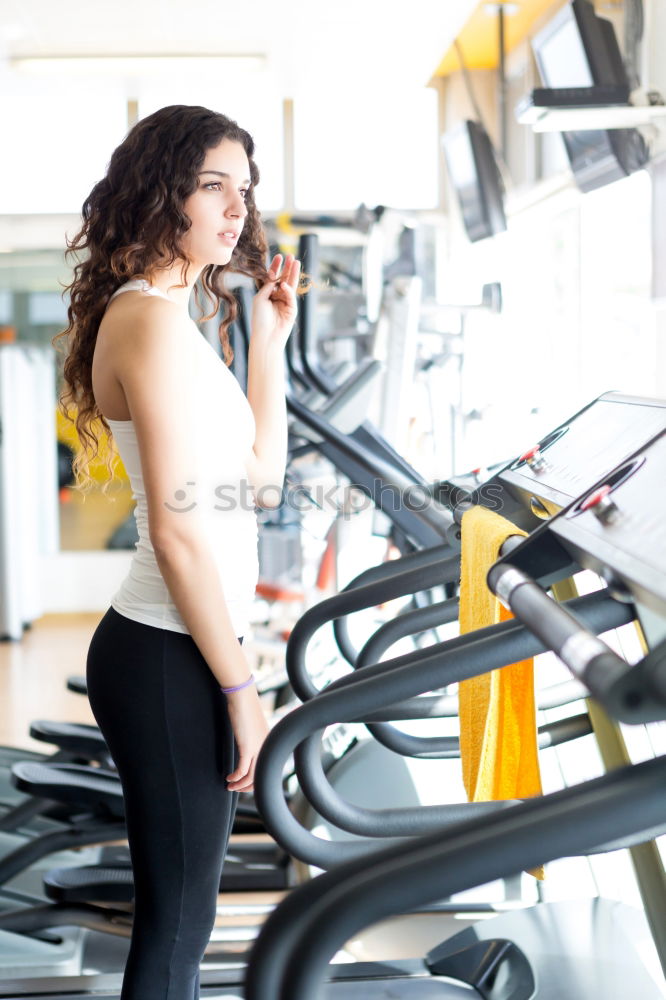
column 33, row 675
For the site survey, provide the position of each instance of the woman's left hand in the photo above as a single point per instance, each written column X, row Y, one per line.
column 274, row 306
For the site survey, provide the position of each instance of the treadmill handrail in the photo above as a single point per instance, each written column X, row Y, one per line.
column 367, row 371
column 289, row 958
column 626, row 691
column 434, row 515
column 445, row 706
column 386, row 683
column 356, row 599
column 362, row 822
column 305, row 333
column 421, row 557
column 408, row 623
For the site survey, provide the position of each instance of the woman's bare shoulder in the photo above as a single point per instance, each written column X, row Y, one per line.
column 143, row 324
column 133, row 312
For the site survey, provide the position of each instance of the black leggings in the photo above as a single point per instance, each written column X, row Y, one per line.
column 166, row 724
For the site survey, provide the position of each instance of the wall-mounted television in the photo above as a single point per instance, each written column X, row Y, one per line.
column 472, row 167
column 579, row 49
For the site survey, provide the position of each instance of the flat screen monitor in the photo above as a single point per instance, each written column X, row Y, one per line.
column 560, row 53
column 471, row 164
column 579, row 49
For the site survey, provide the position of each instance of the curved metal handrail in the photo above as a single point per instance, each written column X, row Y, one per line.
column 289, row 958
column 381, row 572
column 394, row 681
column 422, row 577
column 432, row 514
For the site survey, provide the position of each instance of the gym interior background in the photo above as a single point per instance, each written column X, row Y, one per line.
column 502, row 277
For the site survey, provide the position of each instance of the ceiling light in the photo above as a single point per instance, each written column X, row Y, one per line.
column 12, row 32
column 134, row 65
column 493, row 9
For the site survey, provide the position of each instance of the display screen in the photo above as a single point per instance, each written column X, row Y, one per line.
column 573, row 50
column 462, row 170
column 561, row 55
column 475, row 178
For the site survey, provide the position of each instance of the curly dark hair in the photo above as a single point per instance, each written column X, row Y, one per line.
column 134, row 223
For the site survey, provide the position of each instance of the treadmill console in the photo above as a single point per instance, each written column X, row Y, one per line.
column 566, row 463
column 617, row 529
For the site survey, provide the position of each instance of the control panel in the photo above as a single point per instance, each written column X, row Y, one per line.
column 570, row 460
column 619, row 528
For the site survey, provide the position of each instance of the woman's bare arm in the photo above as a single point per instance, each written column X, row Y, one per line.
column 155, row 366
column 273, row 315
column 266, row 395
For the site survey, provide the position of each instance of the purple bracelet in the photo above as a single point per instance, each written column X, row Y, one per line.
column 238, row 687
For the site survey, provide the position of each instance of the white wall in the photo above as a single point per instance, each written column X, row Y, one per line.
column 582, row 276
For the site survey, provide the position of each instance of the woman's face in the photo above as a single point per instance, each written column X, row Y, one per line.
column 217, row 208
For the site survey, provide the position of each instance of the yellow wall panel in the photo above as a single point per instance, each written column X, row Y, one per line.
column 479, row 38
column 66, row 432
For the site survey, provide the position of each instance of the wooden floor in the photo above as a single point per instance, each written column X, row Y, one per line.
column 33, row 673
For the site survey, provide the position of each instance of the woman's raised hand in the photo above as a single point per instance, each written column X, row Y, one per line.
column 274, row 307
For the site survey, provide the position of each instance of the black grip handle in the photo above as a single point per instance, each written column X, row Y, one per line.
column 626, row 692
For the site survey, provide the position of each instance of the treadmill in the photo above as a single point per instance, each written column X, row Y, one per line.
column 551, row 950
column 632, row 554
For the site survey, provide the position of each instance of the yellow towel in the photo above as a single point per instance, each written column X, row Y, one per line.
column 498, row 732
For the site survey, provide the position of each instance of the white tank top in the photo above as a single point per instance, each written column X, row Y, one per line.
column 225, row 435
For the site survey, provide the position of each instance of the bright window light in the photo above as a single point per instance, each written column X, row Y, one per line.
column 252, row 99
column 379, row 147
column 577, row 321
column 58, row 141
column 133, row 66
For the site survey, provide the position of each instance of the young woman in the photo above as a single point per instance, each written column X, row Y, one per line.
column 167, row 679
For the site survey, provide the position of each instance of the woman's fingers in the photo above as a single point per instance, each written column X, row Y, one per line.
column 242, row 768
column 294, row 272
column 242, row 778
column 274, row 269
column 290, row 267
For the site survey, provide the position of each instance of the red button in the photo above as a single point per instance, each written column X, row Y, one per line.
column 595, row 498
column 530, row 454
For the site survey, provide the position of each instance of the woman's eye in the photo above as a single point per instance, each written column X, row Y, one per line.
column 217, row 186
